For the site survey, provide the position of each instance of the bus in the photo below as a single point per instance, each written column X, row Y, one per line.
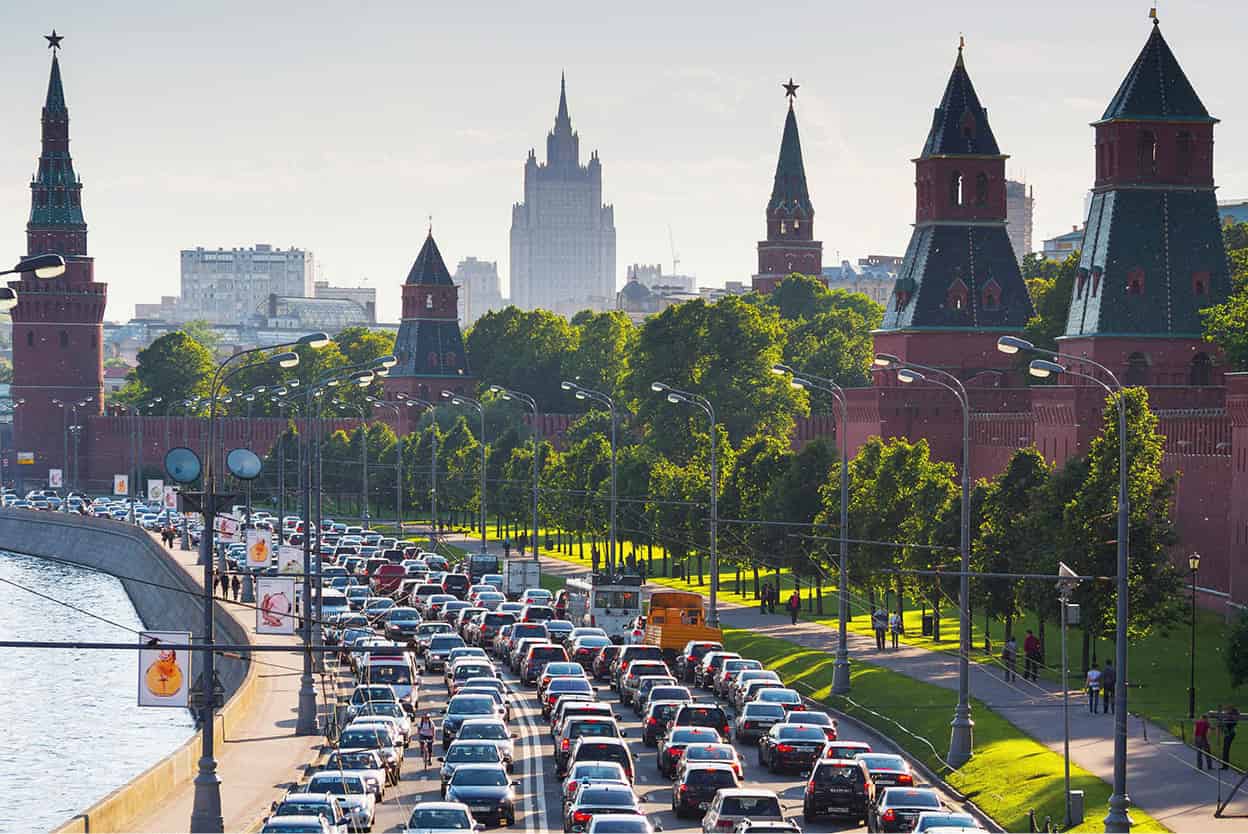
column 611, row 603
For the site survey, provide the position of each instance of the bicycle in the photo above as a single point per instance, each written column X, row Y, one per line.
column 426, row 749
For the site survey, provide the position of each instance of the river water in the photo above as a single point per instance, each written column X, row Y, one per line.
column 70, row 728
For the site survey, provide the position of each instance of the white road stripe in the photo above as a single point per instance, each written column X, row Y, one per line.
column 533, row 820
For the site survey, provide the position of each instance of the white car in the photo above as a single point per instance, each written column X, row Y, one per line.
column 441, row 818
column 494, row 731
column 537, row 596
column 352, row 792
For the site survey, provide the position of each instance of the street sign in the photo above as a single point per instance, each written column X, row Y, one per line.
column 164, row 674
column 55, row 478
column 275, row 597
column 259, row 549
column 169, row 498
column 226, row 525
column 121, row 485
column 155, row 489
column 26, row 458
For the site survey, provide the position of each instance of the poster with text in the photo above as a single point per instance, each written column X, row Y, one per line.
column 121, row 485
column 164, row 674
column 275, row 605
column 55, row 478
column 155, row 489
column 259, row 549
column 289, row 559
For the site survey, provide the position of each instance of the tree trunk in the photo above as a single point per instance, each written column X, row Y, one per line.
column 1086, row 650
column 699, row 567
column 1041, row 625
column 757, row 582
column 1009, row 626
column 580, row 543
column 819, row 594
column 987, row 632
column 936, row 613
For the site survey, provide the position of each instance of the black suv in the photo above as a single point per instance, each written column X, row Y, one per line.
column 696, row 787
column 702, row 715
column 455, row 584
column 790, row 747
column 897, row 809
column 838, row 787
column 691, row 655
column 654, row 725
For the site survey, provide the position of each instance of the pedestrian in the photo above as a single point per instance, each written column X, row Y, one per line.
column 1109, row 680
column 225, row 586
column 773, row 598
column 762, row 599
column 1009, row 653
column 524, row 540
column 794, row 606
column 879, row 623
column 1093, row 684
column 1201, row 734
column 506, row 548
column 593, row 558
column 1031, row 656
column 894, row 628
column 1230, row 718
column 236, row 585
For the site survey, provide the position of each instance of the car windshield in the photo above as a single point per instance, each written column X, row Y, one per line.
column 364, row 737
column 931, row 820
column 799, row 732
column 390, row 708
column 883, row 761
column 828, row 774
column 779, row 696
column 910, row 799
column 600, row 797
column 591, row 728
column 479, row 777
column 757, row 710
column 664, row 693
column 353, row 761
column 597, row 770
column 472, row 753
column 470, row 705
column 821, row 719
column 455, row 819
column 338, row 785
column 712, row 777
column 372, row 693
column 487, row 731
column 751, row 806
column 463, row 672
column 396, row 675
column 690, row 735
column 290, row 809
column 445, row 642
column 712, row 753
column 570, row 685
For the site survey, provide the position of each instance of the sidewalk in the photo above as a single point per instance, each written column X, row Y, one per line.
column 1162, row 778
column 264, row 756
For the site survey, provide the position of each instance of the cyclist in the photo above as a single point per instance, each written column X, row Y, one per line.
column 424, row 732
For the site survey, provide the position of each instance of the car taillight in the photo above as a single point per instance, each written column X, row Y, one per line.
column 798, row 707
column 810, row 786
column 749, row 725
column 593, row 621
column 784, row 748
column 889, row 815
column 650, row 722
column 724, row 730
column 691, row 659
column 684, row 789
column 905, row 779
column 565, row 744
column 724, row 824
column 580, row 816
column 830, row 733
column 572, row 787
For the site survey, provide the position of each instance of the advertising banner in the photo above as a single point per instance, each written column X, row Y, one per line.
column 226, row 525
column 275, row 605
column 259, row 549
column 164, row 674
column 169, row 498
column 290, row 559
column 155, row 489
column 121, row 485
column 55, row 478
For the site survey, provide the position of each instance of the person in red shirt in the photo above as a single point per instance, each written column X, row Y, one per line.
column 1031, row 655
column 1202, row 743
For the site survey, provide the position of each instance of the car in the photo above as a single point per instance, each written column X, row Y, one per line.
column 584, row 649
column 572, row 705
column 755, row 720
column 704, row 673
column 841, row 749
column 521, row 630
column 367, row 763
column 492, row 730
column 460, row 709
column 887, row 770
column 375, row 737
column 298, row 824
column 665, row 684
column 838, row 787
column 395, row 669
column 441, row 818
column 898, row 809
column 351, row 791
column 536, row 658
column 696, row 786
column 672, row 746
column 487, row 791
column 537, row 614
column 603, row 749
column 702, row 715
column 593, row 799
column 559, row 630
column 945, row 822
column 462, row 752
column 812, row 718
column 729, row 671
column 620, row 824
column 628, row 654
column 464, row 671
column 790, row 747
column 564, row 686
column 747, row 826
column 366, row 693
column 601, row 666
column 586, row 772
column 732, row 805
column 425, row 633
column 456, row 584
column 464, row 653
column 502, row 708
column 630, row 680
column 400, row 623
column 691, row 655
column 787, row 698
column 737, row 691
column 558, row 669
column 440, row 646
column 311, row 805
column 720, row 753
column 578, row 727
column 654, row 721
column 484, row 634
column 537, row 596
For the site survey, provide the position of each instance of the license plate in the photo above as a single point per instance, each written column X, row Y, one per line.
column 835, row 809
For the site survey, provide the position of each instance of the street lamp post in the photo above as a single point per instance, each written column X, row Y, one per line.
column 1193, row 562
column 801, row 379
column 962, row 734
column 677, row 396
column 509, row 394
column 433, row 471
column 1118, row 819
column 461, row 400
column 395, row 406
column 1066, row 583
column 582, row 393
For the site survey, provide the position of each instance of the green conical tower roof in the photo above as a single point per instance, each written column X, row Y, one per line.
column 1156, row 88
column 789, row 194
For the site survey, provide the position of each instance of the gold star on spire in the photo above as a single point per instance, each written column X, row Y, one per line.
column 54, row 40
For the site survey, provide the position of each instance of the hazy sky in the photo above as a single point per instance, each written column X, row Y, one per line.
column 339, row 127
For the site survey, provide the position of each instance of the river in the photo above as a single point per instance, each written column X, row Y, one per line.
column 72, row 729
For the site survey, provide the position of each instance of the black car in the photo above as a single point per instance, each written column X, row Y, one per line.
column 602, row 749
column 691, row 655
column 755, row 720
column 575, row 728
column 599, row 799
column 672, row 746
column 654, row 724
column 696, row 787
column 838, row 787
column 702, row 715
column 897, row 809
column 455, row 584
column 887, row 770
column 790, row 747
column 486, row 790
column 400, row 623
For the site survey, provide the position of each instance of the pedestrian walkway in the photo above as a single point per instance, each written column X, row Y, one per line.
column 1162, row 778
column 262, row 756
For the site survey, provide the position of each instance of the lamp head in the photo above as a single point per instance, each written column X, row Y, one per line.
column 281, row 392
column 251, row 398
column 1013, row 344
column 567, row 386
column 673, row 398
column 332, row 383
column 1193, row 562
column 8, row 298
column 363, row 379
column 781, row 370
column 885, row 360
column 659, row 387
column 288, row 360
column 49, row 265
column 496, row 389
column 506, row 396
column 315, row 340
column 446, row 395
column 260, row 389
column 1042, row 368
column 456, row 401
column 388, row 361
column 581, row 395
column 909, row 375
column 294, row 383
column 798, row 383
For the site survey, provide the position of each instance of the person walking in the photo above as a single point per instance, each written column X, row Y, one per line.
column 762, row 599
column 795, row 606
column 879, row 623
column 225, row 586
column 1109, row 680
column 1201, row 735
column 1009, row 655
column 1093, row 684
column 894, row 628
column 1031, row 656
column 1230, row 718
column 236, row 585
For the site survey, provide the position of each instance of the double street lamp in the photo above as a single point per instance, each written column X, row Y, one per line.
column 678, row 397
column 602, row 398
column 1117, row 819
column 801, row 379
column 961, row 738
column 509, row 394
column 412, row 402
column 469, row 402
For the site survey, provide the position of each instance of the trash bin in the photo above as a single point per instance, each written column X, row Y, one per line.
column 1076, row 807
column 929, row 625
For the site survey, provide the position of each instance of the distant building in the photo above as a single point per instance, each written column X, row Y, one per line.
column 363, row 297
column 874, row 276
column 652, row 275
column 1059, row 248
column 1233, row 211
column 225, row 286
column 480, row 289
column 563, row 235
column 1019, row 213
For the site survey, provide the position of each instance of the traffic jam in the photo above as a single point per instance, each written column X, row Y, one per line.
column 471, row 703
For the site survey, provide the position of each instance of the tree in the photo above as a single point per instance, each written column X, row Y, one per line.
column 1226, row 324
column 359, row 344
column 606, row 342
column 835, row 344
column 6, row 370
column 524, row 350
column 1051, row 285
column 201, row 331
column 1237, row 651
column 174, row 367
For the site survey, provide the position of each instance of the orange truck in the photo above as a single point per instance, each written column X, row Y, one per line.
column 675, row 618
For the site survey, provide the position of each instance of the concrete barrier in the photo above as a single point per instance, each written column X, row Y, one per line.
column 166, row 598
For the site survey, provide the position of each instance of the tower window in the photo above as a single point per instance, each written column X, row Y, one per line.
column 1080, row 283
column 433, row 360
column 1096, row 281
column 1137, row 369
column 958, row 297
column 981, row 189
column 1201, row 371
column 797, row 224
column 1146, row 154
column 992, row 295
column 1135, row 281
column 955, row 188
column 1200, row 283
column 429, row 301
column 968, row 124
column 784, row 228
column 1183, row 154
column 64, row 339
column 30, row 338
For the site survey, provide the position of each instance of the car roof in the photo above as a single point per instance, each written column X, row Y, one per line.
column 747, row 792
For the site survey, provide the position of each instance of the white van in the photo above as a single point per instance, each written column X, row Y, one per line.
column 396, row 669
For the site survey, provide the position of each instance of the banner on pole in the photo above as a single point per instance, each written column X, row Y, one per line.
column 226, row 525
column 55, row 478
column 169, row 498
column 121, row 485
column 289, row 559
column 259, row 550
column 155, row 489
column 164, row 674
column 275, row 611
column 25, row 458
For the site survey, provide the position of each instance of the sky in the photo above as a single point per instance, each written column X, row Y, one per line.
column 341, row 127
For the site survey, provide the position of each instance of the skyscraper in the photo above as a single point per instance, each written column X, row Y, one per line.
column 562, row 235
column 1019, row 213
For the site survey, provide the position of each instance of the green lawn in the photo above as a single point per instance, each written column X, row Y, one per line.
column 1010, row 773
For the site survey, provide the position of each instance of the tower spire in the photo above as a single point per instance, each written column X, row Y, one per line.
column 562, row 119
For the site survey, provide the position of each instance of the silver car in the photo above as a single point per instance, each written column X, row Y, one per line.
column 494, row 731
column 352, row 792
